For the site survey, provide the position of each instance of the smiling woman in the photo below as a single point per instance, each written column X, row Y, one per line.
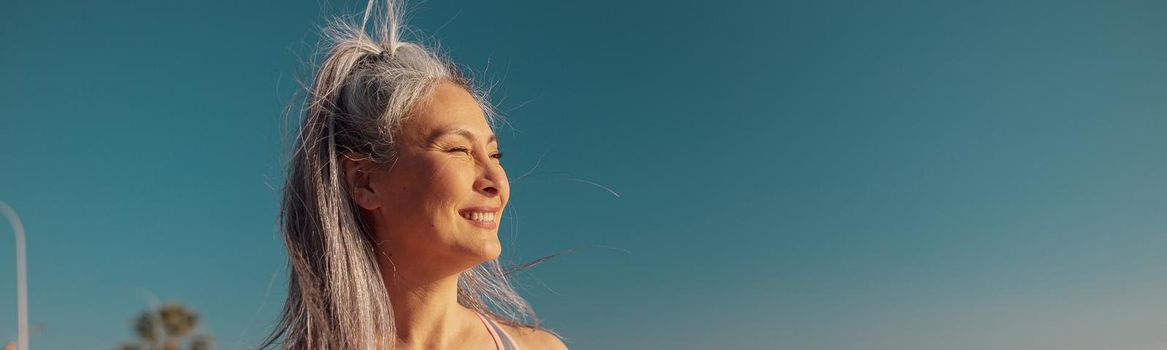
column 392, row 203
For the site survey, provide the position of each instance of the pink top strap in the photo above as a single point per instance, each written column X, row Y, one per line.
column 502, row 340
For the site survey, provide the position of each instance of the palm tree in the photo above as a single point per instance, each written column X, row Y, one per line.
column 178, row 322
column 166, row 327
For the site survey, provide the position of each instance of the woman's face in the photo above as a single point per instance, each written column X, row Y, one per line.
column 438, row 207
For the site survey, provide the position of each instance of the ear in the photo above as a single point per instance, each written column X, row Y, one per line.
column 358, row 178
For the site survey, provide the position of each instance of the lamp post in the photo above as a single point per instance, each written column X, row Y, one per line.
column 21, row 277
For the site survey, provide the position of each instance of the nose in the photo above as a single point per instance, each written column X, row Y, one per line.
column 490, row 178
column 489, row 189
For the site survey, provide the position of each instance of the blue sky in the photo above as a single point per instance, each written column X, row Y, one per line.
column 791, row 174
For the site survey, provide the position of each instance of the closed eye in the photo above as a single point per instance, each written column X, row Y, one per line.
column 467, row 151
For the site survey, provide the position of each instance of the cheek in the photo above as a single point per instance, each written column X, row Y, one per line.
column 449, row 184
column 418, row 188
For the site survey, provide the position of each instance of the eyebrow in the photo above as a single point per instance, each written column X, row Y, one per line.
column 459, row 131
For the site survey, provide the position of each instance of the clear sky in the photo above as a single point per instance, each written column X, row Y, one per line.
column 790, row 174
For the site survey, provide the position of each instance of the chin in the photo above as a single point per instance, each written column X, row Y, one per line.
column 491, row 250
column 480, row 251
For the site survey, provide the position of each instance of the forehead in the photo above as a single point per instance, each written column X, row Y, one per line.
column 448, row 107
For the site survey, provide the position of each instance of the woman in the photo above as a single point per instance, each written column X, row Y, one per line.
column 391, row 206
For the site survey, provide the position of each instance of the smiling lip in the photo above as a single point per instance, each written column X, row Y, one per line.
column 467, row 214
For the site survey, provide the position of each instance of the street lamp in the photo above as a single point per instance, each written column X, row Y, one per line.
column 21, row 277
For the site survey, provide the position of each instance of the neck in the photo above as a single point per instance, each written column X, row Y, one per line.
column 426, row 310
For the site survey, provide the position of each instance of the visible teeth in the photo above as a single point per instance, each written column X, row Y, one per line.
column 481, row 216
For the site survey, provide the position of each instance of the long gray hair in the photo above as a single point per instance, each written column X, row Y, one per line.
column 359, row 96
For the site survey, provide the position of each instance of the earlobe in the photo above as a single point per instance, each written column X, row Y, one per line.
column 357, row 181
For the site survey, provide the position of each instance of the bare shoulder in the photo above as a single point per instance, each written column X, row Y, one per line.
column 534, row 339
